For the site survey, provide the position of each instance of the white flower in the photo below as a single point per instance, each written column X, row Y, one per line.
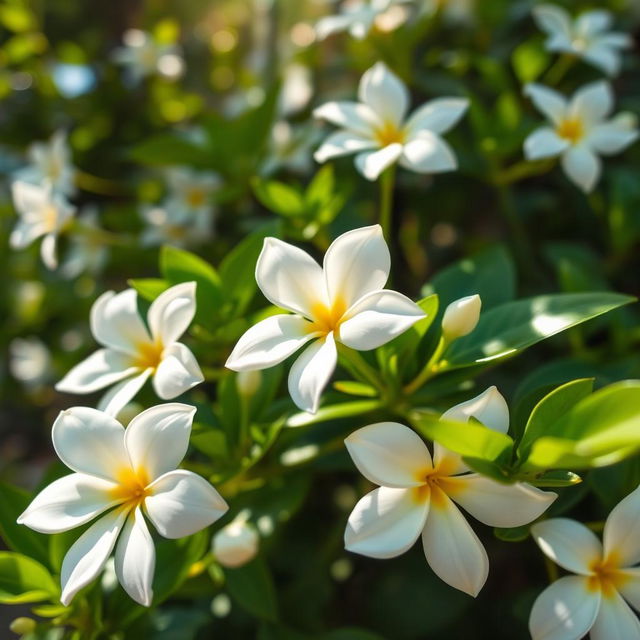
column 121, row 475
column 191, row 191
column 236, row 544
column 461, row 317
column 290, row 147
column 133, row 353
column 416, row 497
column 579, row 131
column 30, row 360
column 453, row 11
column 587, row 37
column 376, row 129
column 50, row 163
column 86, row 253
column 341, row 301
column 42, row 212
column 175, row 226
column 593, row 601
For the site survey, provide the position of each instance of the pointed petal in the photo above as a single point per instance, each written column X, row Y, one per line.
column 177, row 372
column 629, row 587
column 615, row 620
column 390, row 454
column 582, row 167
column 89, row 553
column 437, row 116
column 594, row 22
column 311, row 372
column 355, row 264
column 378, row 318
column 490, row 408
column 451, row 547
column 29, row 199
column 182, row 503
column 269, row 342
column 604, row 57
column 24, row 233
column 544, row 143
column 592, row 103
column 428, row 153
column 171, row 313
column 553, row 20
column 48, row 251
column 614, row 136
column 157, row 439
column 135, row 559
column 89, row 441
column 99, row 370
column 384, row 93
column 289, row 277
column 621, row 536
column 549, row 102
column 568, row 543
column 353, row 116
column 342, row 143
column 385, row 523
column 122, row 393
column 565, row 610
column 67, row 503
column 372, row 163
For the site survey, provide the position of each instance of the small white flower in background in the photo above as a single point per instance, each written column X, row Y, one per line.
column 580, row 131
column 142, row 56
column 416, row 496
column 86, row 253
column 30, row 360
column 587, row 37
column 133, row 353
column 175, row 226
column 50, row 163
column 122, row 476
column 342, row 301
column 357, row 17
column 42, row 213
column 235, row 544
column 291, row 148
column 593, row 600
column 453, row 11
column 377, row 130
column 191, row 190
column 461, row 317
column 297, row 89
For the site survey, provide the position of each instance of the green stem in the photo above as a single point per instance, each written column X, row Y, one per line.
column 387, row 182
column 360, row 368
column 429, row 370
column 559, row 69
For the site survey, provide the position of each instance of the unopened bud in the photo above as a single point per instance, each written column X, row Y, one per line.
column 22, row 626
column 248, row 382
column 236, row 544
column 461, row 317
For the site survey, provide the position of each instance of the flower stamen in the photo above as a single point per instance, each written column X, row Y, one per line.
column 571, row 129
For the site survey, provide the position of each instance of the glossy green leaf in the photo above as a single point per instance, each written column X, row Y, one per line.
column 333, row 412
column 22, row 579
column 149, row 288
column 252, row 587
column 354, row 388
column 279, row 197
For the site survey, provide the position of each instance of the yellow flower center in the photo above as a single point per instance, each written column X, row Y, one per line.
column 571, row 129
column 132, row 486
column 327, row 319
column 607, row 576
column 149, row 355
column 50, row 217
column 196, row 197
column 389, row 134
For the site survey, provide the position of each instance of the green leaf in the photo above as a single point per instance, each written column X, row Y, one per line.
column 168, row 149
column 512, row 534
column 252, row 587
column 22, row 579
column 529, row 60
column 514, row 326
column 149, row 288
column 333, row 412
column 354, row 388
column 279, row 197
column 553, row 478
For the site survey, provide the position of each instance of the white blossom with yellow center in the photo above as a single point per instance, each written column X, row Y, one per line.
column 122, row 476
column 579, row 130
column 593, row 600
column 376, row 129
column 342, row 301
column 134, row 352
column 417, row 495
column 191, row 191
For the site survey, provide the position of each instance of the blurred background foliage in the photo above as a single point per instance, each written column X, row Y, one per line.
column 235, row 98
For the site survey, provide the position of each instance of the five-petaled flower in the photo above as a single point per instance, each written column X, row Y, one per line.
column 132, row 352
column 587, row 37
column 593, row 600
column 342, row 301
column 417, row 495
column 579, row 130
column 122, row 475
column 377, row 130
column 42, row 212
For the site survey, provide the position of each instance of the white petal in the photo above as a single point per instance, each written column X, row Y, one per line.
column 29, row 199
column 553, row 20
column 591, row 23
column 342, row 143
column 67, row 503
column 604, row 57
column 99, row 370
column 547, row 101
column 614, row 136
column 171, row 313
column 269, row 342
column 615, row 620
column 582, row 166
column 89, row 553
column 48, row 251
column 177, row 372
column 116, row 323
column 544, row 143
column 566, row 610
column 428, row 153
column 89, row 441
column 183, row 503
column 236, row 544
column 630, row 586
column 592, row 103
column 24, row 233
column 451, row 547
column 385, row 523
column 355, row 264
column 135, row 559
column 390, row 454
column 498, row 505
column 122, row 393
column 490, row 408
column 311, row 372
column 621, row 536
column 385, row 93
column 372, row 163
column 289, row 277
column 568, row 543
column 353, row 116
column 378, row 318
column 157, row 439
column 438, row 115
column 331, row 24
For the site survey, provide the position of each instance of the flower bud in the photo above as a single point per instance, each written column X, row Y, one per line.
column 236, row 544
column 248, row 382
column 22, row 626
column 461, row 317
